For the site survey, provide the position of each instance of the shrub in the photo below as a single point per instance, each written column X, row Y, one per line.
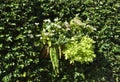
column 21, row 48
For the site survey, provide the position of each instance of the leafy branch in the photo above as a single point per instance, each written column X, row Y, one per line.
column 74, row 36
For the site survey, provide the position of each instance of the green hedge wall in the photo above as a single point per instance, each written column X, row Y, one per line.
column 20, row 45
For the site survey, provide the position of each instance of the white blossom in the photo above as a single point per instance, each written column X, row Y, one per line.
column 53, row 30
column 47, row 20
column 36, row 24
column 58, row 26
column 56, row 19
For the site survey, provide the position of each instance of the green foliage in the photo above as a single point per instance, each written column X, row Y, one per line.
column 106, row 19
column 79, row 45
column 73, row 35
column 80, row 51
column 21, row 26
column 54, row 59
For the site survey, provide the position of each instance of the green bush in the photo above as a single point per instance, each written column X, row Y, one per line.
column 21, row 48
column 106, row 20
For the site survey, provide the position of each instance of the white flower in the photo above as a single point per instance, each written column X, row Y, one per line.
column 47, row 20
column 41, row 38
column 58, row 26
column 72, row 38
column 38, row 35
column 53, row 30
column 56, row 19
column 37, row 24
column 55, row 25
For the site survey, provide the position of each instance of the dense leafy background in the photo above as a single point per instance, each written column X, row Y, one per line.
column 21, row 58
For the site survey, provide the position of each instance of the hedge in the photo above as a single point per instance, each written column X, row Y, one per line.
column 21, row 56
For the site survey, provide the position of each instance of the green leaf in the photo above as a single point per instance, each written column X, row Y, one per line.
column 82, row 51
column 54, row 59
